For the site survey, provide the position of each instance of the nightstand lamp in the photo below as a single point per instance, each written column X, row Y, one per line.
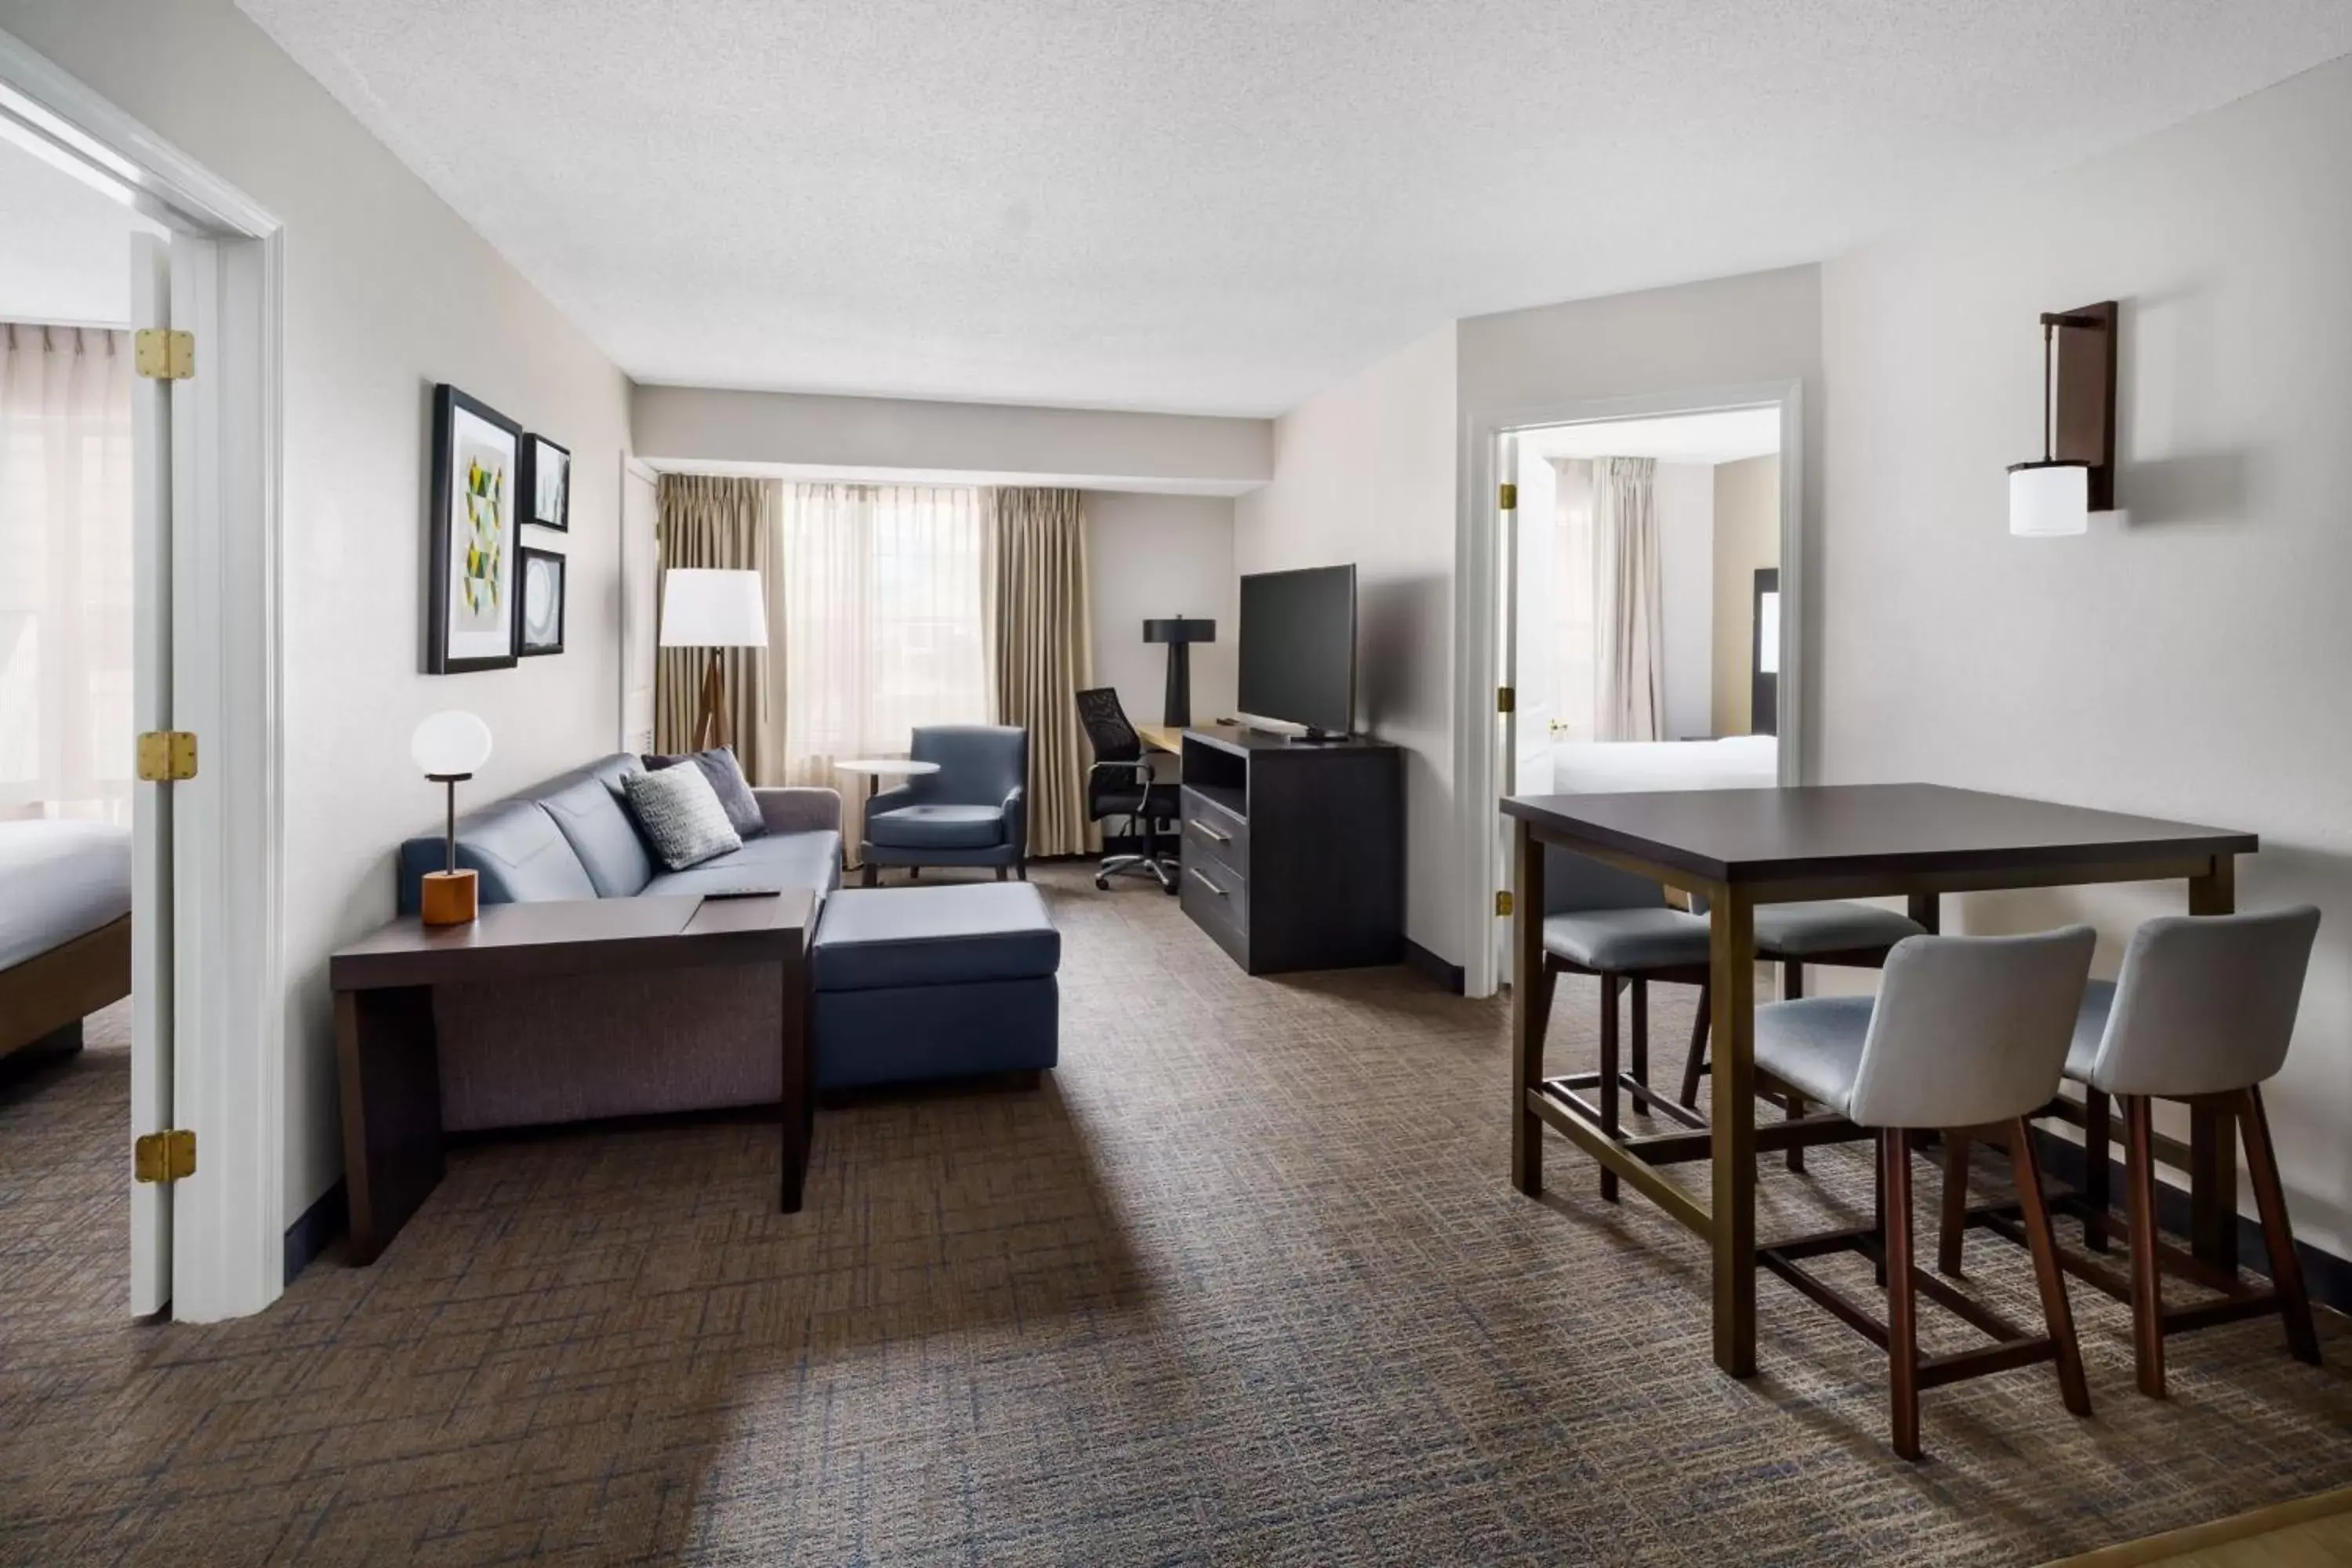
column 450, row 745
column 712, row 607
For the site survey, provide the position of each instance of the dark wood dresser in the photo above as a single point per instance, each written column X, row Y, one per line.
column 1294, row 851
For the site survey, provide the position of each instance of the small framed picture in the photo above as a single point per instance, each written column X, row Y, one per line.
column 476, row 451
column 546, row 483
column 538, row 612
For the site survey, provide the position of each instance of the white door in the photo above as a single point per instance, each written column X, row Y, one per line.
column 150, row 803
column 640, row 570
column 1506, row 668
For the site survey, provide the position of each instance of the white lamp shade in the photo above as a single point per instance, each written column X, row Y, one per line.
column 2049, row 499
column 450, row 744
column 705, row 606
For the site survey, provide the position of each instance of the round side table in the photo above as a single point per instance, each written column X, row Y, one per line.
column 876, row 770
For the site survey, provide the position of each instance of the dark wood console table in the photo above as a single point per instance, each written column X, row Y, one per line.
column 1293, row 850
column 384, row 1040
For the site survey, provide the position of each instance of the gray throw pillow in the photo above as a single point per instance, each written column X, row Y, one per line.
column 719, row 765
column 680, row 816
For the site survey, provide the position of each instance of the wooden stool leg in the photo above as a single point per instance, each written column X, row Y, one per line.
column 1902, row 1327
column 1694, row 1065
column 2057, row 1317
column 1956, row 1202
column 1792, row 987
column 1878, row 1208
column 1641, row 1063
column 1608, row 1076
column 2147, row 1278
column 2098, row 1142
column 2286, row 1269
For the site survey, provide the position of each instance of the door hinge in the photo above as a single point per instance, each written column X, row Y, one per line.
column 1503, row 902
column 165, row 756
column 1507, row 699
column 162, row 354
column 1508, row 498
column 164, row 1156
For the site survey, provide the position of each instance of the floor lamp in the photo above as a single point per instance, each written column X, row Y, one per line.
column 715, row 609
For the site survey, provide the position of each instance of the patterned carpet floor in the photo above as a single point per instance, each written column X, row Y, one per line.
column 1244, row 1282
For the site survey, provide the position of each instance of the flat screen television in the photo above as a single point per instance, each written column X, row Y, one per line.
column 1299, row 647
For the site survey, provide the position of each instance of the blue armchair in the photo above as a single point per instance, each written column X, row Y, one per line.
column 974, row 812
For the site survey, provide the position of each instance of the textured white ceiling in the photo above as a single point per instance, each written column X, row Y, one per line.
column 1725, row 436
column 1212, row 205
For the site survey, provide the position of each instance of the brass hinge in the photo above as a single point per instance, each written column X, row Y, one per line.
column 164, row 1156
column 1507, row 699
column 162, row 354
column 165, row 756
column 1503, row 901
column 1508, row 497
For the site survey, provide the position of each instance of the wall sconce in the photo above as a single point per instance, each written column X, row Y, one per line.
column 2075, row 474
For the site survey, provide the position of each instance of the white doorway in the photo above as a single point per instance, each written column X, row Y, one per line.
column 1637, row 565
column 200, row 262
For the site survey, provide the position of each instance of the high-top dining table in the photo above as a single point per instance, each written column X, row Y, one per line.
column 1739, row 849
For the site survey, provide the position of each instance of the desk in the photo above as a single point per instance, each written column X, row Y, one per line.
column 1168, row 737
column 385, row 1032
column 1744, row 847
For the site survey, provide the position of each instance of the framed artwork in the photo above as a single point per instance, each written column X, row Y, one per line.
column 476, row 450
column 546, row 482
column 539, row 607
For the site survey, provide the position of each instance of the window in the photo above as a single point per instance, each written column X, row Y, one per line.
column 885, row 619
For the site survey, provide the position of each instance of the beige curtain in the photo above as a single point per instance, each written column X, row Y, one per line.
column 65, row 573
column 713, row 521
column 1043, row 632
column 1629, row 698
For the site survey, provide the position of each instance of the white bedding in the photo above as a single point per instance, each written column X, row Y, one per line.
column 1601, row 767
column 58, row 881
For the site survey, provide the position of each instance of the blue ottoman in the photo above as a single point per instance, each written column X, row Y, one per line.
column 932, row 982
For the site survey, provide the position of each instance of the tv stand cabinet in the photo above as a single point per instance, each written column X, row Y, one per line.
column 1293, row 851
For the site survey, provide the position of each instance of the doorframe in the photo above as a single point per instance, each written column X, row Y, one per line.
column 1477, row 571
column 229, row 1249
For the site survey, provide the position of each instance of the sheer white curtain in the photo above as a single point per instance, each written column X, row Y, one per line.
column 1629, row 695
column 884, row 592
column 65, row 573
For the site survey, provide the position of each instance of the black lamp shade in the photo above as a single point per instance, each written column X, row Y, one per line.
column 1180, row 630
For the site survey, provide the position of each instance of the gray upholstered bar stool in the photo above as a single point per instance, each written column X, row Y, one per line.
column 2202, row 1011
column 1617, row 926
column 1967, row 1031
column 1838, row 934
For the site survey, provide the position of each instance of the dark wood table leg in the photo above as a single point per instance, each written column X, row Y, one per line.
column 386, row 1047
column 2212, row 1128
column 1928, row 909
column 1532, row 984
column 1731, row 920
column 799, row 1110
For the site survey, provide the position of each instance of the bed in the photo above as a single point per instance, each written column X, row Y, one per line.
column 1608, row 767
column 65, row 931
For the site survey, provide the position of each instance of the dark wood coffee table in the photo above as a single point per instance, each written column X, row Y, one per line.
column 385, row 1039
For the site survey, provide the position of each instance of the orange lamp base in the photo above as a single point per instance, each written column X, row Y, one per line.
column 449, row 898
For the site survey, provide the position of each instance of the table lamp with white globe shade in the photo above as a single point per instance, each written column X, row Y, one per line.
column 450, row 745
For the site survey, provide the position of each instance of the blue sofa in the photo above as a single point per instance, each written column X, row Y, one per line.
column 974, row 812
column 572, row 838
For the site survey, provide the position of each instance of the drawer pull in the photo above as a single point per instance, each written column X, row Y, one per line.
column 1194, row 872
column 1205, row 831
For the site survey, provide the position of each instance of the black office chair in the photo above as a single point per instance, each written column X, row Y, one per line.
column 1120, row 784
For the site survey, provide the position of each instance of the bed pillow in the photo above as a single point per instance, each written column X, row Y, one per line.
column 727, row 781
column 680, row 816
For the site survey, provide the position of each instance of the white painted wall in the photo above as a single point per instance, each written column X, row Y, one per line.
column 386, row 292
column 64, row 250
column 1684, row 497
column 1153, row 557
column 2188, row 661
column 1365, row 473
column 980, row 442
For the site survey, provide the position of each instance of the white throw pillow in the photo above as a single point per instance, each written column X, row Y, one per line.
column 680, row 815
